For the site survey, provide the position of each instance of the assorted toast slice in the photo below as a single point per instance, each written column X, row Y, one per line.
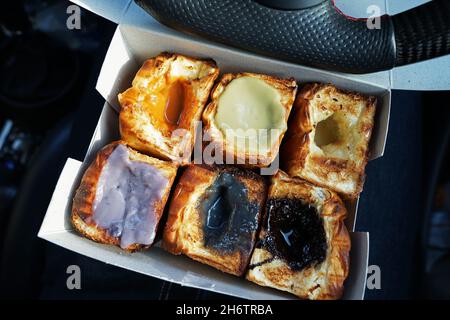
column 160, row 111
column 122, row 196
column 214, row 216
column 303, row 246
column 247, row 117
column 327, row 142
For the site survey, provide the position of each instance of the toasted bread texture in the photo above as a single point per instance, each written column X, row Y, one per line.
column 159, row 112
column 83, row 202
column 317, row 279
column 210, row 222
column 286, row 89
column 327, row 142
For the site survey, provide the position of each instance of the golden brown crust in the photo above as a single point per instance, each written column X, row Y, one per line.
column 287, row 89
column 324, row 281
column 140, row 126
column 85, row 194
column 340, row 165
column 183, row 233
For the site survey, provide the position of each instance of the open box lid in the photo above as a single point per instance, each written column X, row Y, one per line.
column 424, row 75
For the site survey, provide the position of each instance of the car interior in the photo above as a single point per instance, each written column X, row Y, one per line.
column 49, row 109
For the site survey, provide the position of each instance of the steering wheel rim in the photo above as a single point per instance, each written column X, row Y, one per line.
column 319, row 36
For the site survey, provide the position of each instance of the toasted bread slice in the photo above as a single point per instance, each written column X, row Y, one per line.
column 303, row 246
column 159, row 112
column 247, row 117
column 214, row 216
column 328, row 138
column 122, row 196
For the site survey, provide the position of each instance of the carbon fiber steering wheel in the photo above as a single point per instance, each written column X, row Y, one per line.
column 313, row 32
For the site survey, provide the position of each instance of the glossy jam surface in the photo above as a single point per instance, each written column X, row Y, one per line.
column 250, row 113
column 126, row 195
column 163, row 101
column 175, row 102
column 229, row 219
column 295, row 233
column 165, row 104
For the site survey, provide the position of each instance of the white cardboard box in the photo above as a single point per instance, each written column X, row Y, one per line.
column 135, row 41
